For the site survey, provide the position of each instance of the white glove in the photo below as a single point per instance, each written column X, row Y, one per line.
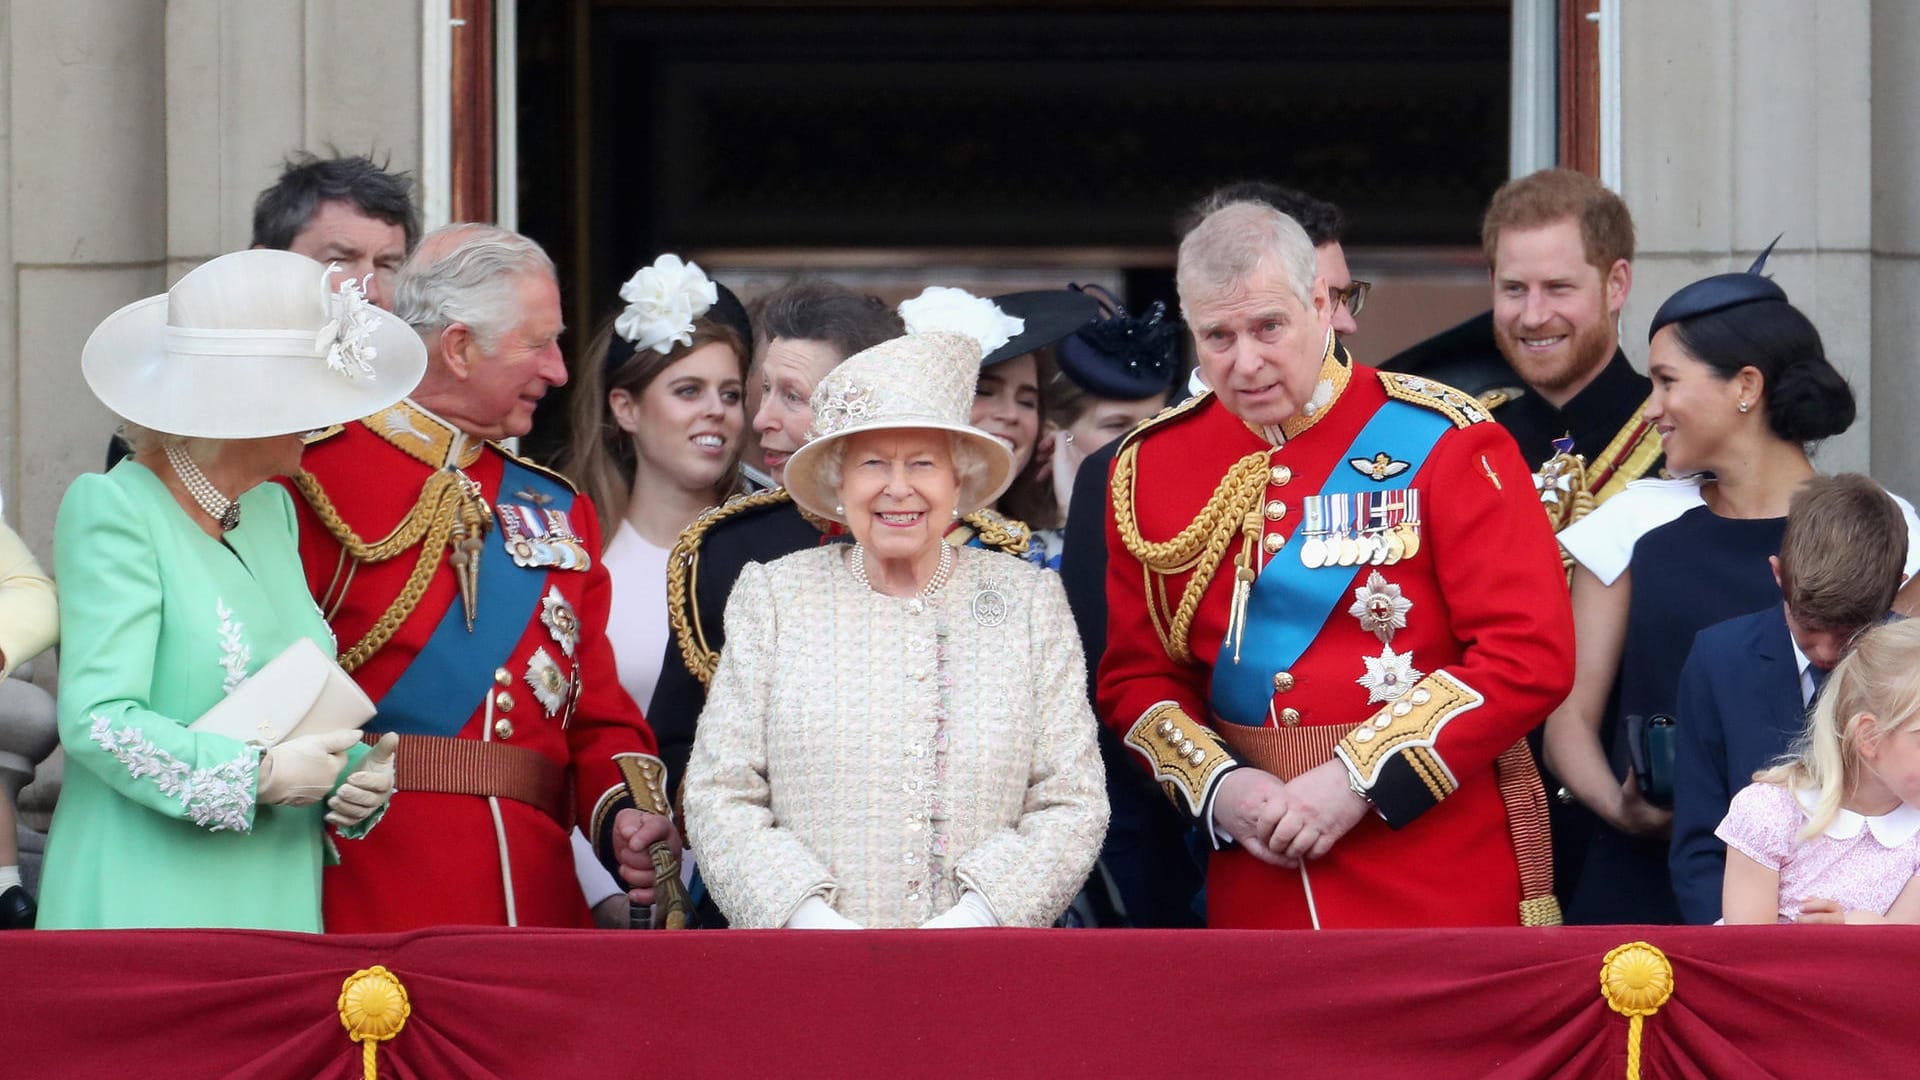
column 300, row 771
column 816, row 914
column 970, row 912
column 368, row 789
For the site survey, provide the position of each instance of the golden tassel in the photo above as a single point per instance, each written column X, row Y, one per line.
column 1636, row 979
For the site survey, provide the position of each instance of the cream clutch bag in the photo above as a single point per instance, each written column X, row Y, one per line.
column 300, row 692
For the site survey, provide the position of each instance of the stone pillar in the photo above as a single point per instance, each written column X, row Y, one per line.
column 1743, row 119
column 1896, row 244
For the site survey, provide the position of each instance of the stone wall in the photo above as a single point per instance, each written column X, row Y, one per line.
column 1746, row 119
column 134, row 136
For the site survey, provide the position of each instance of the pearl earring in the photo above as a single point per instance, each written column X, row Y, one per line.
column 1744, row 406
column 956, row 513
column 839, row 510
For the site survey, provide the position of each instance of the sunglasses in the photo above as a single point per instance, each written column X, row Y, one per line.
column 1354, row 296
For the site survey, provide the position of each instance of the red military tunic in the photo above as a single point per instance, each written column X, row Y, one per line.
column 1420, row 713
column 502, row 857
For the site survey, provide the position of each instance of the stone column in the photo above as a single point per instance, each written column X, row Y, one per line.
column 1743, row 119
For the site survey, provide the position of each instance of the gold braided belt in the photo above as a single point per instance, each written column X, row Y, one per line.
column 1234, row 507
column 450, row 509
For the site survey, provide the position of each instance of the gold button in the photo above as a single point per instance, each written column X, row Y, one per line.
column 502, row 677
column 503, row 701
column 1289, row 717
column 1276, row 510
column 1283, row 682
column 1280, row 475
column 503, row 728
column 1273, row 543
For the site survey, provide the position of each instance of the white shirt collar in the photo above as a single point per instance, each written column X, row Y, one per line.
column 1891, row 829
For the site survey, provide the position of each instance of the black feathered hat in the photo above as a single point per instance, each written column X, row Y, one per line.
column 1122, row 357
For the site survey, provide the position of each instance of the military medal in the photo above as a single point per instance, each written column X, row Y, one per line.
column 1349, row 546
column 1313, row 553
column 541, row 536
column 1380, row 607
column 1389, row 675
column 1410, row 525
column 1396, row 547
column 560, row 621
column 550, row 686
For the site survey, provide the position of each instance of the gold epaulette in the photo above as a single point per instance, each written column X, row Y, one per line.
column 1000, row 532
column 1458, row 407
column 1166, row 416
column 528, row 463
column 683, row 572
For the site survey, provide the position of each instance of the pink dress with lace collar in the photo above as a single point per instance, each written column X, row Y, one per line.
column 1861, row 862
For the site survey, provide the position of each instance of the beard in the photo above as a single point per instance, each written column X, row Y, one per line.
column 1586, row 350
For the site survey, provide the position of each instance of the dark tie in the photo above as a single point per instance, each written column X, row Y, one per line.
column 1819, row 676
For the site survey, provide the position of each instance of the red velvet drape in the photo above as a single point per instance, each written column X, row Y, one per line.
column 1747, row 1002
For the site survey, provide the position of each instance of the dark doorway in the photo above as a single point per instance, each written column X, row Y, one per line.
column 1000, row 136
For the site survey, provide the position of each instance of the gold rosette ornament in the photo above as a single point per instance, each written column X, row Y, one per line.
column 1636, row 979
column 373, row 1008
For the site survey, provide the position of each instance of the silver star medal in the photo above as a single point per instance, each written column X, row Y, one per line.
column 550, row 685
column 989, row 605
column 1380, row 607
column 1389, row 675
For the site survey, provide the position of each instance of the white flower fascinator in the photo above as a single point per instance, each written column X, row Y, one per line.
column 347, row 339
column 662, row 302
column 959, row 311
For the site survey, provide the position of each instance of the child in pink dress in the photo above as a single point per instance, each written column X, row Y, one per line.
column 1832, row 834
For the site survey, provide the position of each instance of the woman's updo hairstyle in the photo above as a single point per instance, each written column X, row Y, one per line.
column 1807, row 400
column 1733, row 321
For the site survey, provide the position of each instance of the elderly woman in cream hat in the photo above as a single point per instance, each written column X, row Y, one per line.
column 897, row 734
column 194, row 793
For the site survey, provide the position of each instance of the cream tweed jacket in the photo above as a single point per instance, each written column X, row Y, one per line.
column 887, row 753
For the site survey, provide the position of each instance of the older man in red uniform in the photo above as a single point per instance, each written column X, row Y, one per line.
column 465, row 588
column 1335, row 609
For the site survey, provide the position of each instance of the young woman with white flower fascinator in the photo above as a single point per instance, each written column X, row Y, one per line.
column 658, row 413
column 210, row 736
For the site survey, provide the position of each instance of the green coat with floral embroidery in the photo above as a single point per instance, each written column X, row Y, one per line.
column 156, row 824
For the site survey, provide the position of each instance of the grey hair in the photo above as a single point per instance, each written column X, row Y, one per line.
column 1234, row 241
column 142, row 440
column 969, row 466
column 468, row 273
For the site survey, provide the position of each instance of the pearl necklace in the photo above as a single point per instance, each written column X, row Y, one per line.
column 857, row 564
column 218, row 507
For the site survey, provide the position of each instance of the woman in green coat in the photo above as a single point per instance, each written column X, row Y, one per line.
column 180, row 577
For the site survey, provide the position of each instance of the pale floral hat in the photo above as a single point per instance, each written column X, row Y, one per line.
column 923, row 381
column 248, row 345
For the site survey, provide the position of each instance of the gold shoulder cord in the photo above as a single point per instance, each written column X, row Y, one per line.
column 1200, row 547
column 996, row 530
column 441, row 501
column 683, row 568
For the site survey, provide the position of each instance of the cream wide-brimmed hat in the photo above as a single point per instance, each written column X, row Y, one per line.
column 922, row 381
column 248, row 345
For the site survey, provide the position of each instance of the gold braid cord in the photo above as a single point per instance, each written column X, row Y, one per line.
column 1200, row 547
column 683, row 570
column 440, row 505
column 1000, row 532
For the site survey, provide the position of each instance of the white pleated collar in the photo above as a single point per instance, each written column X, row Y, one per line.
column 1891, row 829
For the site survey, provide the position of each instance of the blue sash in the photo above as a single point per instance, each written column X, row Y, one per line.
column 1291, row 601
column 429, row 698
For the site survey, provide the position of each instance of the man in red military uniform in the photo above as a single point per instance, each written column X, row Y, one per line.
column 465, row 589
column 1334, row 610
